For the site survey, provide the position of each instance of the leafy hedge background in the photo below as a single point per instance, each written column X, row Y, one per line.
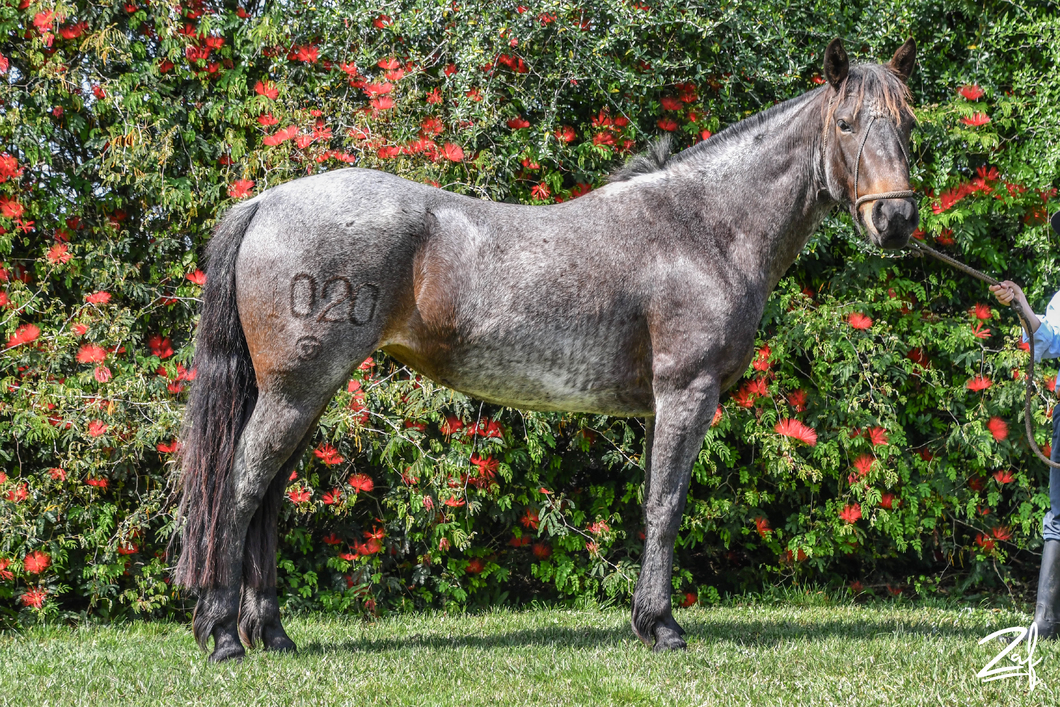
column 127, row 129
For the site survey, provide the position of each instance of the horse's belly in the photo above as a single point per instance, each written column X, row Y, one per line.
column 520, row 374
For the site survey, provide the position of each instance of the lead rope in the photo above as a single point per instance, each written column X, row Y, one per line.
column 1018, row 308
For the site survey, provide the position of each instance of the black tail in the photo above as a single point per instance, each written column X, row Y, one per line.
column 222, row 399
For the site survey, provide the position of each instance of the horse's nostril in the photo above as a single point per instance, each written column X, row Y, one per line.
column 879, row 217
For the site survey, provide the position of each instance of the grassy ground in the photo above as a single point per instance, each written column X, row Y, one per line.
column 817, row 653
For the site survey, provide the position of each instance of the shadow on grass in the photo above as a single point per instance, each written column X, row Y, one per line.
column 763, row 633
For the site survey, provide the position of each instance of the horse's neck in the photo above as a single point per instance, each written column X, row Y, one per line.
column 763, row 190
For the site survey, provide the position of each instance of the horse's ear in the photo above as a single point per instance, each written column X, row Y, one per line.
column 836, row 64
column 904, row 59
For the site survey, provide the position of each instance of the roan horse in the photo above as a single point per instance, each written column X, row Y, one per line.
column 640, row 298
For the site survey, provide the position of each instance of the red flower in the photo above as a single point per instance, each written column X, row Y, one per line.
column 530, row 519
column 266, row 89
column 73, row 31
column 520, row 542
column 91, row 353
column 877, row 436
column 18, row 494
column 299, row 495
column 331, row 497
column 667, row 124
column 984, row 542
column 434, row 97
column 57, row 473
column 381, row 103
column 998, row 428
column 671, row 103
column 198, row 277
column 454, row 502
column 96, row 428
column 266, row 120
column 25, row 334
column 328, row 454
column 797, row 399
column 978, row 383
column 306, row 54
column 863, row 464
column 98, row 483
column 976, row 120
column 5, row 573
column 34, row 597
column 98, row 298
column 36, row 562
column 101, row 374
column 859, row 321
column 1004, row 476
column 761, row 360
column 541, row 551
column 603, row 138
column 382, row 21
column 972, row 92
column 888, row 500
column 168, row 448
column 982, row 311
column 58, row 253
column 565, row 134
column 10, row 207
column 453, row 153
column 240, row 189
column 762, row 524
column 979, row 332
column 160, row 347
column 475, row 566
column 332, row 539
column 718, row 414
column 797, row 430
column 361, row 482
column 541, row 192
column 451, row 425
column 487, row 467
column 518, row 123
column 490, row 429
column 280, row 136
column 851, row 513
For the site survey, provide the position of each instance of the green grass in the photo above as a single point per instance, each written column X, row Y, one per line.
column 823, row 653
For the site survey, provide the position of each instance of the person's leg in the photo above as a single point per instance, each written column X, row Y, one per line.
column 1047, row 605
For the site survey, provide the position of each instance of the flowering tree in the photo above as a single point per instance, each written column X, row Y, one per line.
column 873, row 426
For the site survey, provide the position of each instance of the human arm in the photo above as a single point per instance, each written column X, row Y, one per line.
column 1044, row 329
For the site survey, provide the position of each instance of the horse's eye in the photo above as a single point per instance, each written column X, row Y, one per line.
column 844, row 126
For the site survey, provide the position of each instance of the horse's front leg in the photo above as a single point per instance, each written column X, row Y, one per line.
column 682, row 416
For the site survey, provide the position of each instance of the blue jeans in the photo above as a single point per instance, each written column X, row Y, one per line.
column 1051, row 524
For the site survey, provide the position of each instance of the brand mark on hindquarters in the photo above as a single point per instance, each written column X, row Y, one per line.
column 334, row 301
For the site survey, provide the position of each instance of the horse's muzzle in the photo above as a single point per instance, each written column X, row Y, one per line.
column 894, row 221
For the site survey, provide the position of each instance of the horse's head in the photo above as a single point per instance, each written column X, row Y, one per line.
column 866, row 139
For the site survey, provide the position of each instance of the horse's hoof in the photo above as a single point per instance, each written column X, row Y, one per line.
column 281, row 644
column 226, row 653
column 667, row 639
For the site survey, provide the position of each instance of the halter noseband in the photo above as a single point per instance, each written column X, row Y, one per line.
column 903, row 194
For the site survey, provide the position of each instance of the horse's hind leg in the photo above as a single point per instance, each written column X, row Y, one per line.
column 278, row 425
column 682, row 416
column 259, row 611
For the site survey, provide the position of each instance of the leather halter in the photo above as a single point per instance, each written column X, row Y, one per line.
column 902, row 194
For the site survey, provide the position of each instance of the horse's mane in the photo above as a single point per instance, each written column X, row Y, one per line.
column 876, row 81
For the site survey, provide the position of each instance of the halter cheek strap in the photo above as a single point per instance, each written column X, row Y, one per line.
column 903, row 194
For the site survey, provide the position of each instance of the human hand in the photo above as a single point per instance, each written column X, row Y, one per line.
column 1008, row 291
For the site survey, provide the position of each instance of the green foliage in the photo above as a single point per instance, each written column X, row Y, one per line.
column 127, row 129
